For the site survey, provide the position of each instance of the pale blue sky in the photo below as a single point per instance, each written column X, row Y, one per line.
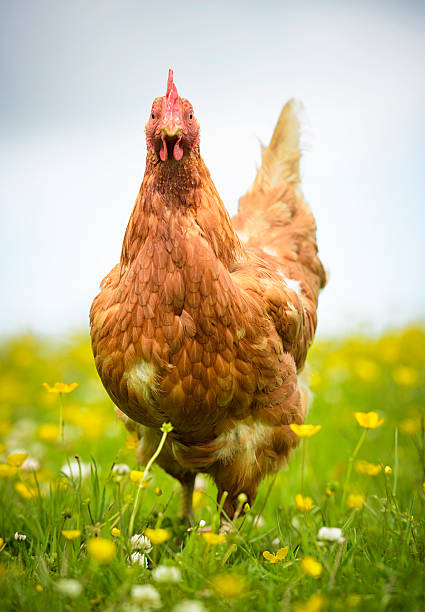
column 78, row 79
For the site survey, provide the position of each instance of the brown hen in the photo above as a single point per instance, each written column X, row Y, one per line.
column 206, row 322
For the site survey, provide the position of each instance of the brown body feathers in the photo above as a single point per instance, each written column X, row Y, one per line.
column 206, row 322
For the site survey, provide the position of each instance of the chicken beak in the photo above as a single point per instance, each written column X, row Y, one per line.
column 171, row 127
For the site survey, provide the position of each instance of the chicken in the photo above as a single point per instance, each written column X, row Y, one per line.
column 206, row 322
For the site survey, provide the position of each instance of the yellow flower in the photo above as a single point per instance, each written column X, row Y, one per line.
column 136, row 476
column 364, row 467
column 7, row 470
column 306, row 430
column 305, row 504
column 16, row 459
column 388, row 470
column 2, row 544
column 355, row 501
column 48, row 432
column 275, row 558
column 101, row 550
column 132, row 440
column 115, row 532
column 229, row 585
column 213, row 538
column 39, row 588
column 311, row 567
column 315, row 603
column 71, row 534
column 60, row 387
column 157, row 536
column 27, row 492
column 406, row 377
column 368, row 420
column 197, row 498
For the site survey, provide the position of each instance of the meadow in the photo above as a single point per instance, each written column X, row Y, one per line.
column 84, row 527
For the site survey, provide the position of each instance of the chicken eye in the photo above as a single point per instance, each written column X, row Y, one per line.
column 190, row 117
column 153, row 116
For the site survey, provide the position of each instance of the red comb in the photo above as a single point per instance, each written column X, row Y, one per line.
column 171, row 96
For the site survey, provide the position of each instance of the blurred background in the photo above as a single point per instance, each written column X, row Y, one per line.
column 78, row 80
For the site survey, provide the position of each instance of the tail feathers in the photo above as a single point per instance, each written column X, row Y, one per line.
column 281, row 159
column 273, row 219
column 270, row 201
column 272, row 214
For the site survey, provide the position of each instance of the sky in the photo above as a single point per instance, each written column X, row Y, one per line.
column 78, row 79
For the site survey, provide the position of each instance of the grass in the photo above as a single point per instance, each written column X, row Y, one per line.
column 377, row 565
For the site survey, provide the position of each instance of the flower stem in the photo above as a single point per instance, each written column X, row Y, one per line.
column 302, row 464
column 260, row 512
column 60, row 418
column 337, row 563
column 166, row 429
column 395, row 462
column 350, row 468
column 220, row 506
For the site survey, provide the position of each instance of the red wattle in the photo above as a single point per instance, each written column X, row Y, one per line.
column 178, row 150
column 164, row 151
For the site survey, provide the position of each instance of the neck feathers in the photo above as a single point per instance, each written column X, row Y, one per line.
column 175, row 197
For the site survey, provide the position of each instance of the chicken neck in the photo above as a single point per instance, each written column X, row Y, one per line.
column 173, row 197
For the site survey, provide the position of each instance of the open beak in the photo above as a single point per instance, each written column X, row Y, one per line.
column 171, row 134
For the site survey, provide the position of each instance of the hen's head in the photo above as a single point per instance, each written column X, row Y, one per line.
column 172, row 130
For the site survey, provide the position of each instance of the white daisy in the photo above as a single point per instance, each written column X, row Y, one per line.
column 121, row 469
column 166, row 573
column 30, row 465
column 330, row 534
column 146, row 595
column 141, row 542
column 69, row 586
column 72, row 469
column 138, row 558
